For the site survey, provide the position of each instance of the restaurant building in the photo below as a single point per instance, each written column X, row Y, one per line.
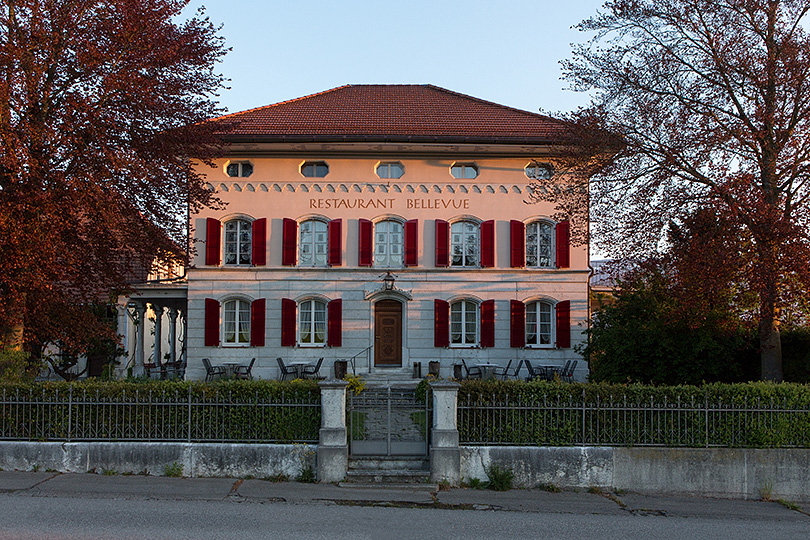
column 389, row 226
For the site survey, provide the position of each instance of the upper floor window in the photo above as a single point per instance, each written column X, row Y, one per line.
column 239, row 169
column 238, row 241
column 539, row 171
column 236, row 322
column 539, row 244
column 464, row 170
column 388, row 244
column 463, row 324
column 464, row 244
column 312, row 323
column 391, row 169
column 313, row 243
column 315, row 169
column 539, row 324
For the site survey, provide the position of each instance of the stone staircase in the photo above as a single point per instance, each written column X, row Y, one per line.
column 400, row 472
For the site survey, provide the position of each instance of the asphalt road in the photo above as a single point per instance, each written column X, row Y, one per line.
column 87, row 506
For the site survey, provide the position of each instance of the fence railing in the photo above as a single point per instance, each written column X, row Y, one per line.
column 157, row 416
column 692, row 423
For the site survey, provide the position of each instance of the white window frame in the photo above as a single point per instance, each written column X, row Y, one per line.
column 314, row 164
column 537, row 245
column 244, row 169
column 237, row 244
column 461, row 170
column 383, row 170
column 460, row 312
column 387, row 243
column 465, row 243
column 538, row 171
column 307, row 308
column 313, row 244
column 240, row 310
column 534, row 322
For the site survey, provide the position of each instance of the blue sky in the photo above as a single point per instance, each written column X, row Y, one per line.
column 505, row 51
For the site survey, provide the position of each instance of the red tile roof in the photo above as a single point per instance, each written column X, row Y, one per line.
column 391, row 113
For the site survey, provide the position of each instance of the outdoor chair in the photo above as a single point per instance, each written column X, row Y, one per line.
column 515, row 372
column 533, row 373
column 244, row 372
column 568, row 374
column 473, row 372
column 284, row 370
column 563, row 371
column 503, row 371
column 212, row 372
column 313, row 372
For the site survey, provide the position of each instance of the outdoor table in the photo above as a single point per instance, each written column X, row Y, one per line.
column 299, row 368
column 487, row 370
column 230, row 367
column 549, row 371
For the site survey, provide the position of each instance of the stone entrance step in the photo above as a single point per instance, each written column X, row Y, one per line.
column 388, row 472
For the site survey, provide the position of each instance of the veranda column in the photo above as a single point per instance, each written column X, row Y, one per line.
column 445, row 456
column 172, row 335
column 333, row 448
column 157, row 350
column 140, row 312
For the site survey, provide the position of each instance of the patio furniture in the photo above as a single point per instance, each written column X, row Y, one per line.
column 515, row 372
column 212, row 372
column 502, row 371
column 285, row 370
column 568, row 374
column 245, row 372
column 534, row 372
column 473, row 372
column 313, row 371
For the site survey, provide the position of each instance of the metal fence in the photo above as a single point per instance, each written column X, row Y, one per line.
column 692, row 423
column 157, row 416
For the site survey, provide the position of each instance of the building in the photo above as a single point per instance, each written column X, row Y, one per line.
column 385, row 225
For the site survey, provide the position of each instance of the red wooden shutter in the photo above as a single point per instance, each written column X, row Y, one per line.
column 517, row 323
column 211, row 323
column 441, row 322
column 213, row 233
column 288, row 321
column 412, row 242
column 488, row 323
column 289, row 242
column 333, row 232
column 563, row 233
column 488, row 244
column 334, row 311
column 257, row 309
column 564, row 324
column 442, row 243
column 517, row 234
column 365, row 239
column 259, row 242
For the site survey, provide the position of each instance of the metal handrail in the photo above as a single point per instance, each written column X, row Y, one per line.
column 368, row 359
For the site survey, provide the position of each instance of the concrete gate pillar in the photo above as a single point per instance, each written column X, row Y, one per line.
column 333, row 448
column 445, row 456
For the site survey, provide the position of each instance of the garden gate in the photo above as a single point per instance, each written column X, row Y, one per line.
column 388, row 422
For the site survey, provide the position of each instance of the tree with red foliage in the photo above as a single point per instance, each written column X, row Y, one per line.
column 711, row 102
column 102, row 108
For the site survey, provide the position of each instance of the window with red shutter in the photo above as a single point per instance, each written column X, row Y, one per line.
column 562, row 233
column 334, row 336
column 488, row 323
column 288, row 320
column 289, row 242
column 259, row 242
column 442, row 242
column 517, row 324
column 365, row 239
column 213, row 234
column 441, row 323
column 488, row 244
column 257, row 310
column 411, row 243
column 517, row 258
column 563, row 324
column 211, row 323
column 335, row 241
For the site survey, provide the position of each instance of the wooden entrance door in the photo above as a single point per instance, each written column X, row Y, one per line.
column 387, row 333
